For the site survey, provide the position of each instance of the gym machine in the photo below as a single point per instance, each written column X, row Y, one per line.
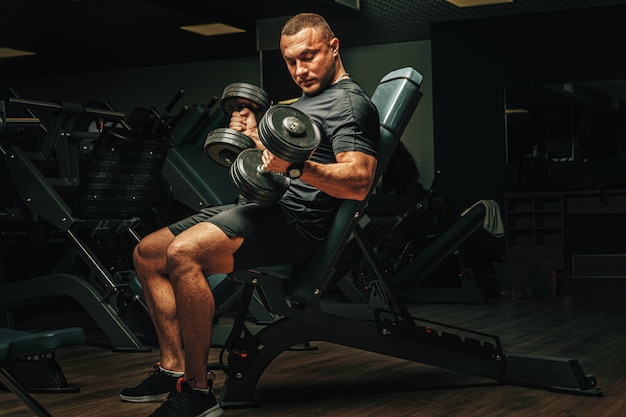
column 99, row 210
column 95, row 210
column 388, row 216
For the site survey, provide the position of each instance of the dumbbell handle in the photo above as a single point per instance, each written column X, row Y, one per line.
column 240, row 108
column 263, row 170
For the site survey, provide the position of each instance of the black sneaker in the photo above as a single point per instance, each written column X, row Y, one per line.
column 154, row 388
column 189, row 402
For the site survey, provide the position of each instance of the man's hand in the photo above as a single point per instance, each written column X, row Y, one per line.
column 273, row 163
column 245, row 122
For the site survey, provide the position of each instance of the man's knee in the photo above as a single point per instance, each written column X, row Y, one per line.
column 205, row 248
column 151, row 250
column 178, row 253
column 140, row 251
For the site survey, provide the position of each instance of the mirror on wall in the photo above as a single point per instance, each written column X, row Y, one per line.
column 566, row 135
column 566, row 122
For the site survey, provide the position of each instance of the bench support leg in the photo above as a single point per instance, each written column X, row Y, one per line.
column 8, row 381
column 425, row 342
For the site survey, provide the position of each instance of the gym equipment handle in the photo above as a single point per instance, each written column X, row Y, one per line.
column 71, row 108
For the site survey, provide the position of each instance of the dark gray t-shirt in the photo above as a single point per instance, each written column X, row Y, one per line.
column 348, row 121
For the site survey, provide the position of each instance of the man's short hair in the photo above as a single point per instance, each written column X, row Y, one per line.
column 308, row 20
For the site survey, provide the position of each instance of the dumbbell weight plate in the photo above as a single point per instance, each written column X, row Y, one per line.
column 222, row 145
column 239, row 95
column 254, row 185
column 288, row 133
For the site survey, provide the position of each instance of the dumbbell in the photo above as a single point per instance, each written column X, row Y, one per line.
column 222, row 145
column 289, row 134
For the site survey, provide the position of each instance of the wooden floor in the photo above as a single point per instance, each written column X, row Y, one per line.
column 585, row 321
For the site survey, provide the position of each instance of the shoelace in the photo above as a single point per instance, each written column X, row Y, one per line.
column 154, row 370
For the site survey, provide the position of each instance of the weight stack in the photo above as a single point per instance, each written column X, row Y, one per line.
column 121, row 176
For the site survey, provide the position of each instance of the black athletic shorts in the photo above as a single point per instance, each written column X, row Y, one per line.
column 270, row 235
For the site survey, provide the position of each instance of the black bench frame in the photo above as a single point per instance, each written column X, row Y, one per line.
column 294, row 293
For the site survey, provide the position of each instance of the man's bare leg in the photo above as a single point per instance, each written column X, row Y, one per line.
column 200, row 250
column 150, row 264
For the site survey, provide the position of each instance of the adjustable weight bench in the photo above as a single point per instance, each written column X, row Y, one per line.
column 27, row 363
column 294, row 292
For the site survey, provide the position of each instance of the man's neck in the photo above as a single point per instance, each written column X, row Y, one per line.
column 342, row 76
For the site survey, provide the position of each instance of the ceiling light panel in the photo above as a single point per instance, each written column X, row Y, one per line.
column 472, row 3
column 212, row 29
column 13, row 53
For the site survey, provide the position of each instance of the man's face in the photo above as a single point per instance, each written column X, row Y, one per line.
column 310, row 59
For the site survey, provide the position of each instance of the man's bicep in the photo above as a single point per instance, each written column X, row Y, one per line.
column 357, row 158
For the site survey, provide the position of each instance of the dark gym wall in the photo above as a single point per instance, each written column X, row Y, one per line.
column 144, row 87
column 474, row 61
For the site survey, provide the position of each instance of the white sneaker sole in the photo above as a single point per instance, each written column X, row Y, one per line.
column 145, row 399
column 212, row 412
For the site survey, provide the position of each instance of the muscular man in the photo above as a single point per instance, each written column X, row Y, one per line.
column 172, row 263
